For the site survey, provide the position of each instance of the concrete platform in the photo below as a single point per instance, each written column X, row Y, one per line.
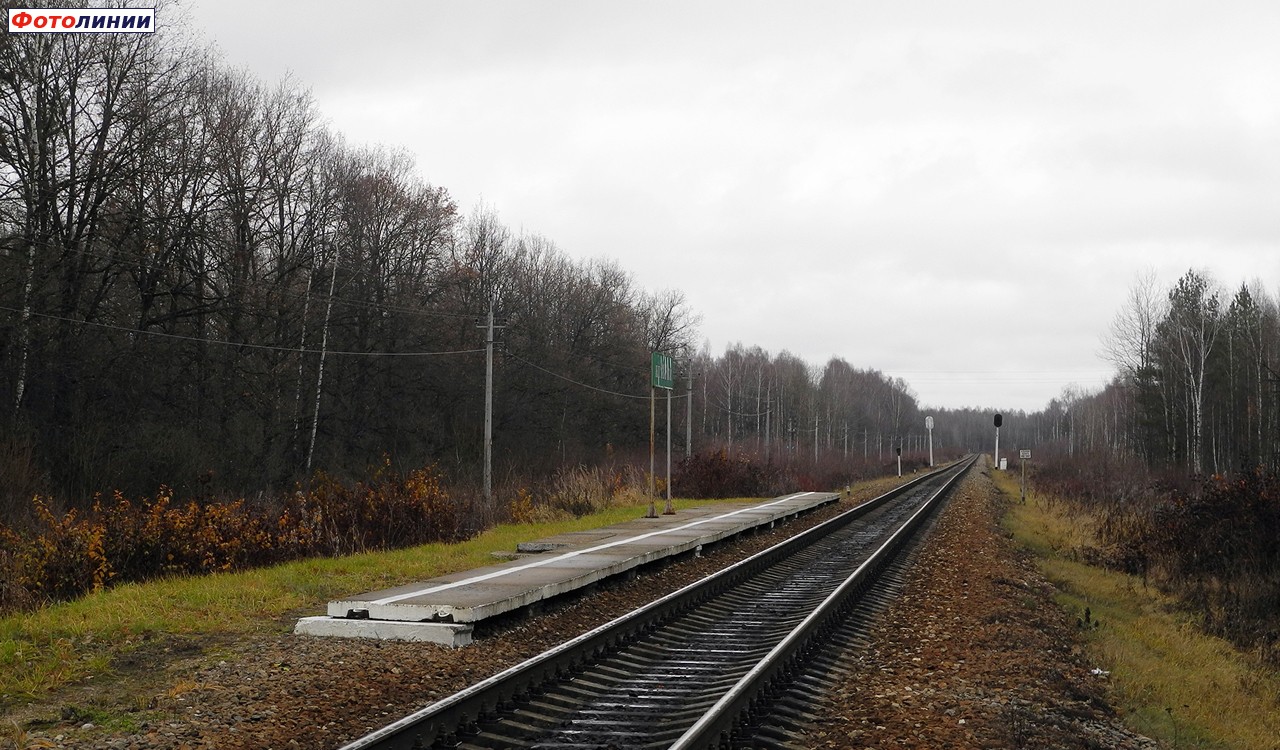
column 561, row 564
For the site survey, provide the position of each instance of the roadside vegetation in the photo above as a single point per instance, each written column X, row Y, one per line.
column 1208, row 542
column 64, row 643
column 1158, row 508
column 118, row 540
column 1173, row 680
column 50, row 642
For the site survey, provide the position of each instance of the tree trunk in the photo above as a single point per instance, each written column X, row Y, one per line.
column 324, row 351
column 24, row 328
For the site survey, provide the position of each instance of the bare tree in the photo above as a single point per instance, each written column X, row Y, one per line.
column 669, row 323
column 1129, row 343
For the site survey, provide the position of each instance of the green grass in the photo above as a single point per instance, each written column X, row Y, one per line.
column 65, row 643
column 1172, row 682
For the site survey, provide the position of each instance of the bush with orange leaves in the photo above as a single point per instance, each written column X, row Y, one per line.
column 120, row 540
column 387, row 512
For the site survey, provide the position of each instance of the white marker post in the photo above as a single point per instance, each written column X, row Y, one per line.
column 928, row 425
column 1024, row 454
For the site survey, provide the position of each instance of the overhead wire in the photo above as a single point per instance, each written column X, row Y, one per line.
column 295, row 350
column 140, row 262
column 581, row 384
column 237, row 344
column 134, row 260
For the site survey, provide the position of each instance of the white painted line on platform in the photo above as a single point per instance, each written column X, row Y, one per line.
column 567, row 555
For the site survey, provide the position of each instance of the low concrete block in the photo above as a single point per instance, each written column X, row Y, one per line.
column 446, row 634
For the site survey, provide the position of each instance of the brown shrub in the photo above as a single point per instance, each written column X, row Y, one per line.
column 120, row 540
column 1210, row 542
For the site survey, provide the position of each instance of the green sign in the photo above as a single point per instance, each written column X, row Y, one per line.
column 663, row 371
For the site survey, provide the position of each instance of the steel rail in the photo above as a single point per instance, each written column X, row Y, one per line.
column 445, row 718
column 722, row 720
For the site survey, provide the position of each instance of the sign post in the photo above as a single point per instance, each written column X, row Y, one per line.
column 928, row 425
column 661, row 375
column 1024, row 454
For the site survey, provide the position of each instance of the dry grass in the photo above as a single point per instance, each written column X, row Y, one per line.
column 60, row 644
column 14, row 736
column 1172, row 681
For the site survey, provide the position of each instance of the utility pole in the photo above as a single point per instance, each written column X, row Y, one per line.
column 688, row 420
column 815, row 439
column 488, row 404
column 768, row 421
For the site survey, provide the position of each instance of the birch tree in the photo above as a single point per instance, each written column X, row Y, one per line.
column 1189, row 332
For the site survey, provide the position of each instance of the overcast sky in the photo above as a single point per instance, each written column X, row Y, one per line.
column 958, row 193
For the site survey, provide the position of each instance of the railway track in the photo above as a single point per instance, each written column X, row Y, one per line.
column 697, row 668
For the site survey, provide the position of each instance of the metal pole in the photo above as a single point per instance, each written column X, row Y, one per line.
column 997, row 466
column 931, row 448
column 768, row 422
column 670, row 508
column 488, row 411
column 1024, row 480
column 688, row 420
column 653, row 510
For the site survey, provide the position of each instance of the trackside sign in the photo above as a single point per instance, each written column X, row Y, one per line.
column 663, row 371
column 82, row 20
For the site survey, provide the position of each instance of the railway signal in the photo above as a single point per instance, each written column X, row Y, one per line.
column 928, row 425
column 998, row 420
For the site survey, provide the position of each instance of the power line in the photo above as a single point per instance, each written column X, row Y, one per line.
column 733, row 413
column 244, row 345
column 128, row 259
column 581, row 384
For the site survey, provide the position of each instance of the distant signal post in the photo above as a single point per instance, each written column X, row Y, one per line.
column 928, row 425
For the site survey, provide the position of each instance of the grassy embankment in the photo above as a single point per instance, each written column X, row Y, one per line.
column 1171, row 681
column 67, row 643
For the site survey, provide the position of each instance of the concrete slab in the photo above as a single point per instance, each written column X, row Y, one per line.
column 571, row 561
column 444, row 634
column 568, row 539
